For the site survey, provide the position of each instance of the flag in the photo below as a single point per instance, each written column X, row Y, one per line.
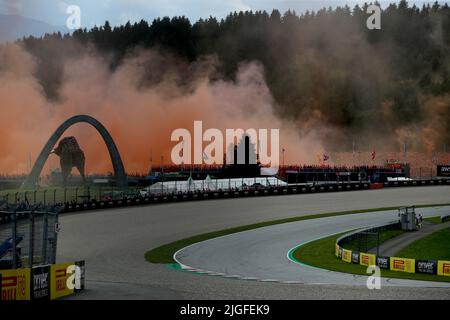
column 190, row 181
column 182, row 148
column 325, row 157
column 374, row 154
column 205, row 157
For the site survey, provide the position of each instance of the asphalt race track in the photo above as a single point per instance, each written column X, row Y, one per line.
column 262, row 252
column 113, row 244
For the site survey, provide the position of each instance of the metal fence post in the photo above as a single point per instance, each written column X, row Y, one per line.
column 76, row 195
column 34, row 197
column 14, row 236
column 378, row 243
column 31, row 246
column 45, row 238
column 65, row 195
column 55, row 240
column 54, row 196
column 45, row 196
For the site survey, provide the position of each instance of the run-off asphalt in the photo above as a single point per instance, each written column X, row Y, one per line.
column 113, row 244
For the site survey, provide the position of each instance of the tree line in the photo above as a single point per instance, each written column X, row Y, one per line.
column 325, row 64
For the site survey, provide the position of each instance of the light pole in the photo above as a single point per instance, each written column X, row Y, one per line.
column 162, row 174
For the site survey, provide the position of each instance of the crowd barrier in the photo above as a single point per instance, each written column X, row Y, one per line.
column 434, row 267
column 46, row 282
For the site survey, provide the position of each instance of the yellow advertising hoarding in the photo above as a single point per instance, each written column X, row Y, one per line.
column 403, row 265
column 347, row 255
column 366, row 259
column 443, row 268
column 58, row 280
column 15, row 284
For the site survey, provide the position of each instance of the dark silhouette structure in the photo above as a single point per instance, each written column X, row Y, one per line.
column 70, row 155
column 119, row 171
column 245, row 160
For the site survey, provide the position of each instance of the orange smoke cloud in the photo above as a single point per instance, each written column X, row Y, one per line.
column 140, row 118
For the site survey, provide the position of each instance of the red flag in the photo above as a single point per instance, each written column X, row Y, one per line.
column 373, row 155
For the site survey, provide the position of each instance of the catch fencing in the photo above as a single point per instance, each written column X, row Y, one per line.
column 28, row 236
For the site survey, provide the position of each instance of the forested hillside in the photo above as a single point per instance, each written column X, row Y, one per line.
column 321, row 67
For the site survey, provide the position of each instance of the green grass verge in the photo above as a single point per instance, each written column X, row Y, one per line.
column 320, row 254
column 435, row 220
column 164, row 253
column 385, row 235
column 435, row 246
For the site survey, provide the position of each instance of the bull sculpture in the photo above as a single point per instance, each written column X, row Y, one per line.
column 70, row 155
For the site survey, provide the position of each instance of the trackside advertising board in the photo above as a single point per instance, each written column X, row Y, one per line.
column 347, row 255
column 383, row 262
column 432, row 267
column 444, row 268
column 426, row 266
column 81, row 265
column 403, row 265
column 40, row 283
column 443, row 171
column 58, row 280
column 355, row 257
column 366, row 259
column 15, row 284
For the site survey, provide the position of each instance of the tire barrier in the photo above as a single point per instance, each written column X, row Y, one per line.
column 224, row 194
column 46, row 282
column 433, row 267
column 216, row 194
column 417, row 183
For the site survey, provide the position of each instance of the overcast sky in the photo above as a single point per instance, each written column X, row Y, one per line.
column 119, row 11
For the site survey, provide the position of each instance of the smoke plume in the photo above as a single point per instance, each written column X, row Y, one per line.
column 140, row 117
column 329, row 84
